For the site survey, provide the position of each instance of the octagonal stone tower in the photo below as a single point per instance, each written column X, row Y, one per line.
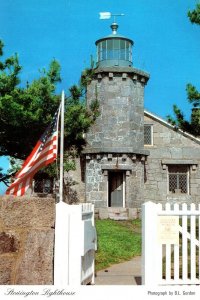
column 115, row 155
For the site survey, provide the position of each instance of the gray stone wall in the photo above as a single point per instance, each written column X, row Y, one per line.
column 75, row 183
column 135, row 184
column 26, row 240
column 120, row 124
column 116, row 141
column 97, row 171
column 170, row 147
column 96, row 181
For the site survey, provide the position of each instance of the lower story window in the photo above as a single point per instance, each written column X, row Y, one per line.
column 43, row 186
column 178, row 179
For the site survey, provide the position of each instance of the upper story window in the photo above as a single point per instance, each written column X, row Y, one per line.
column 178, row 179
column 148, row 134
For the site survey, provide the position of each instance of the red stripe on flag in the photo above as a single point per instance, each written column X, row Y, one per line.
column 36, row 160
column 30, row 156
column 29, row 174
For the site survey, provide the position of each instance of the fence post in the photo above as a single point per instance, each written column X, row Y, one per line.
column 76, row 237
column 61, row 252
column 93, row 264
column 149, row 243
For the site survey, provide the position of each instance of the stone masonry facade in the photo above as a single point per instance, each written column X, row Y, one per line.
column 120, row 94
column 26, row 240
column 170, row 147
column 115, row 143
column 97, row 169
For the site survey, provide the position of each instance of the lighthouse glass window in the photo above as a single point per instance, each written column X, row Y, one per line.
column 103, row 55
column 148, row 134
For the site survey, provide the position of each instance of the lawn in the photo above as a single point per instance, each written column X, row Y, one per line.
column 117, row 241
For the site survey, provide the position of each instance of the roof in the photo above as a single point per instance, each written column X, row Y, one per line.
column 165, row 123
column 114, row 36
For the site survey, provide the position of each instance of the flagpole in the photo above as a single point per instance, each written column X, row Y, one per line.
column 62, row 145
column 61, row 248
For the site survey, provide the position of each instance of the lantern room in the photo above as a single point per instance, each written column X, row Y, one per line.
column 114, row 50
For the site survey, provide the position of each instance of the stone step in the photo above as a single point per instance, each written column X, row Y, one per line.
column 117, row 213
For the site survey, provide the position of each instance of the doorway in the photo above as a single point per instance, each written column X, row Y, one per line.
column 116, row 189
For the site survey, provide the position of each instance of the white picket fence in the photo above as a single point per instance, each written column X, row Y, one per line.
column 170, row 251
column 75, row 244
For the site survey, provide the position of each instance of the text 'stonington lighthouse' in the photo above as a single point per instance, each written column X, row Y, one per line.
column 115, row 155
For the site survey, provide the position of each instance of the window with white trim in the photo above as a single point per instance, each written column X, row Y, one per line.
column 148, row 134
column 178, row 179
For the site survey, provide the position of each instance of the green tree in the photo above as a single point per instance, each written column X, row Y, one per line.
column 4, row 177
column 194, row 15
column 26, row 111
column 193, row 125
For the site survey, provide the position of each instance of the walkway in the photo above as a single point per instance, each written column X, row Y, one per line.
column 127, row 273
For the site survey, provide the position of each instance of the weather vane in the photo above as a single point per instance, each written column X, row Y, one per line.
column 108, row 15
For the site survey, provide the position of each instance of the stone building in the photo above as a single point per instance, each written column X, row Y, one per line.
column 115, row 154
column 172, row 171
column 132, row 156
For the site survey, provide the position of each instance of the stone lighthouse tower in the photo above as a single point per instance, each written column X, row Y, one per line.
column 115, row 156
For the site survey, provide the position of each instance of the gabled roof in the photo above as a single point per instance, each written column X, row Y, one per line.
column 167, row 124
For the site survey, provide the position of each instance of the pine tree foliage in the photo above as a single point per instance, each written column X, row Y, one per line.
column 193, row 95
column 194, row 15
column 4, row 177
column 193, row 125
column 26, row 111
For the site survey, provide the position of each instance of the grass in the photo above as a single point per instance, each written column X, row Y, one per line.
column 117, row 241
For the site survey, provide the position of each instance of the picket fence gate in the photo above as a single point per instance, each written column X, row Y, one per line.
column 165, row 262
column 75, row 244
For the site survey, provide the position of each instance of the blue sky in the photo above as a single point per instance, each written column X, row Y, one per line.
column 166, row 44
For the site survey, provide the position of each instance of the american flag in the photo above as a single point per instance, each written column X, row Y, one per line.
column 44, row 153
